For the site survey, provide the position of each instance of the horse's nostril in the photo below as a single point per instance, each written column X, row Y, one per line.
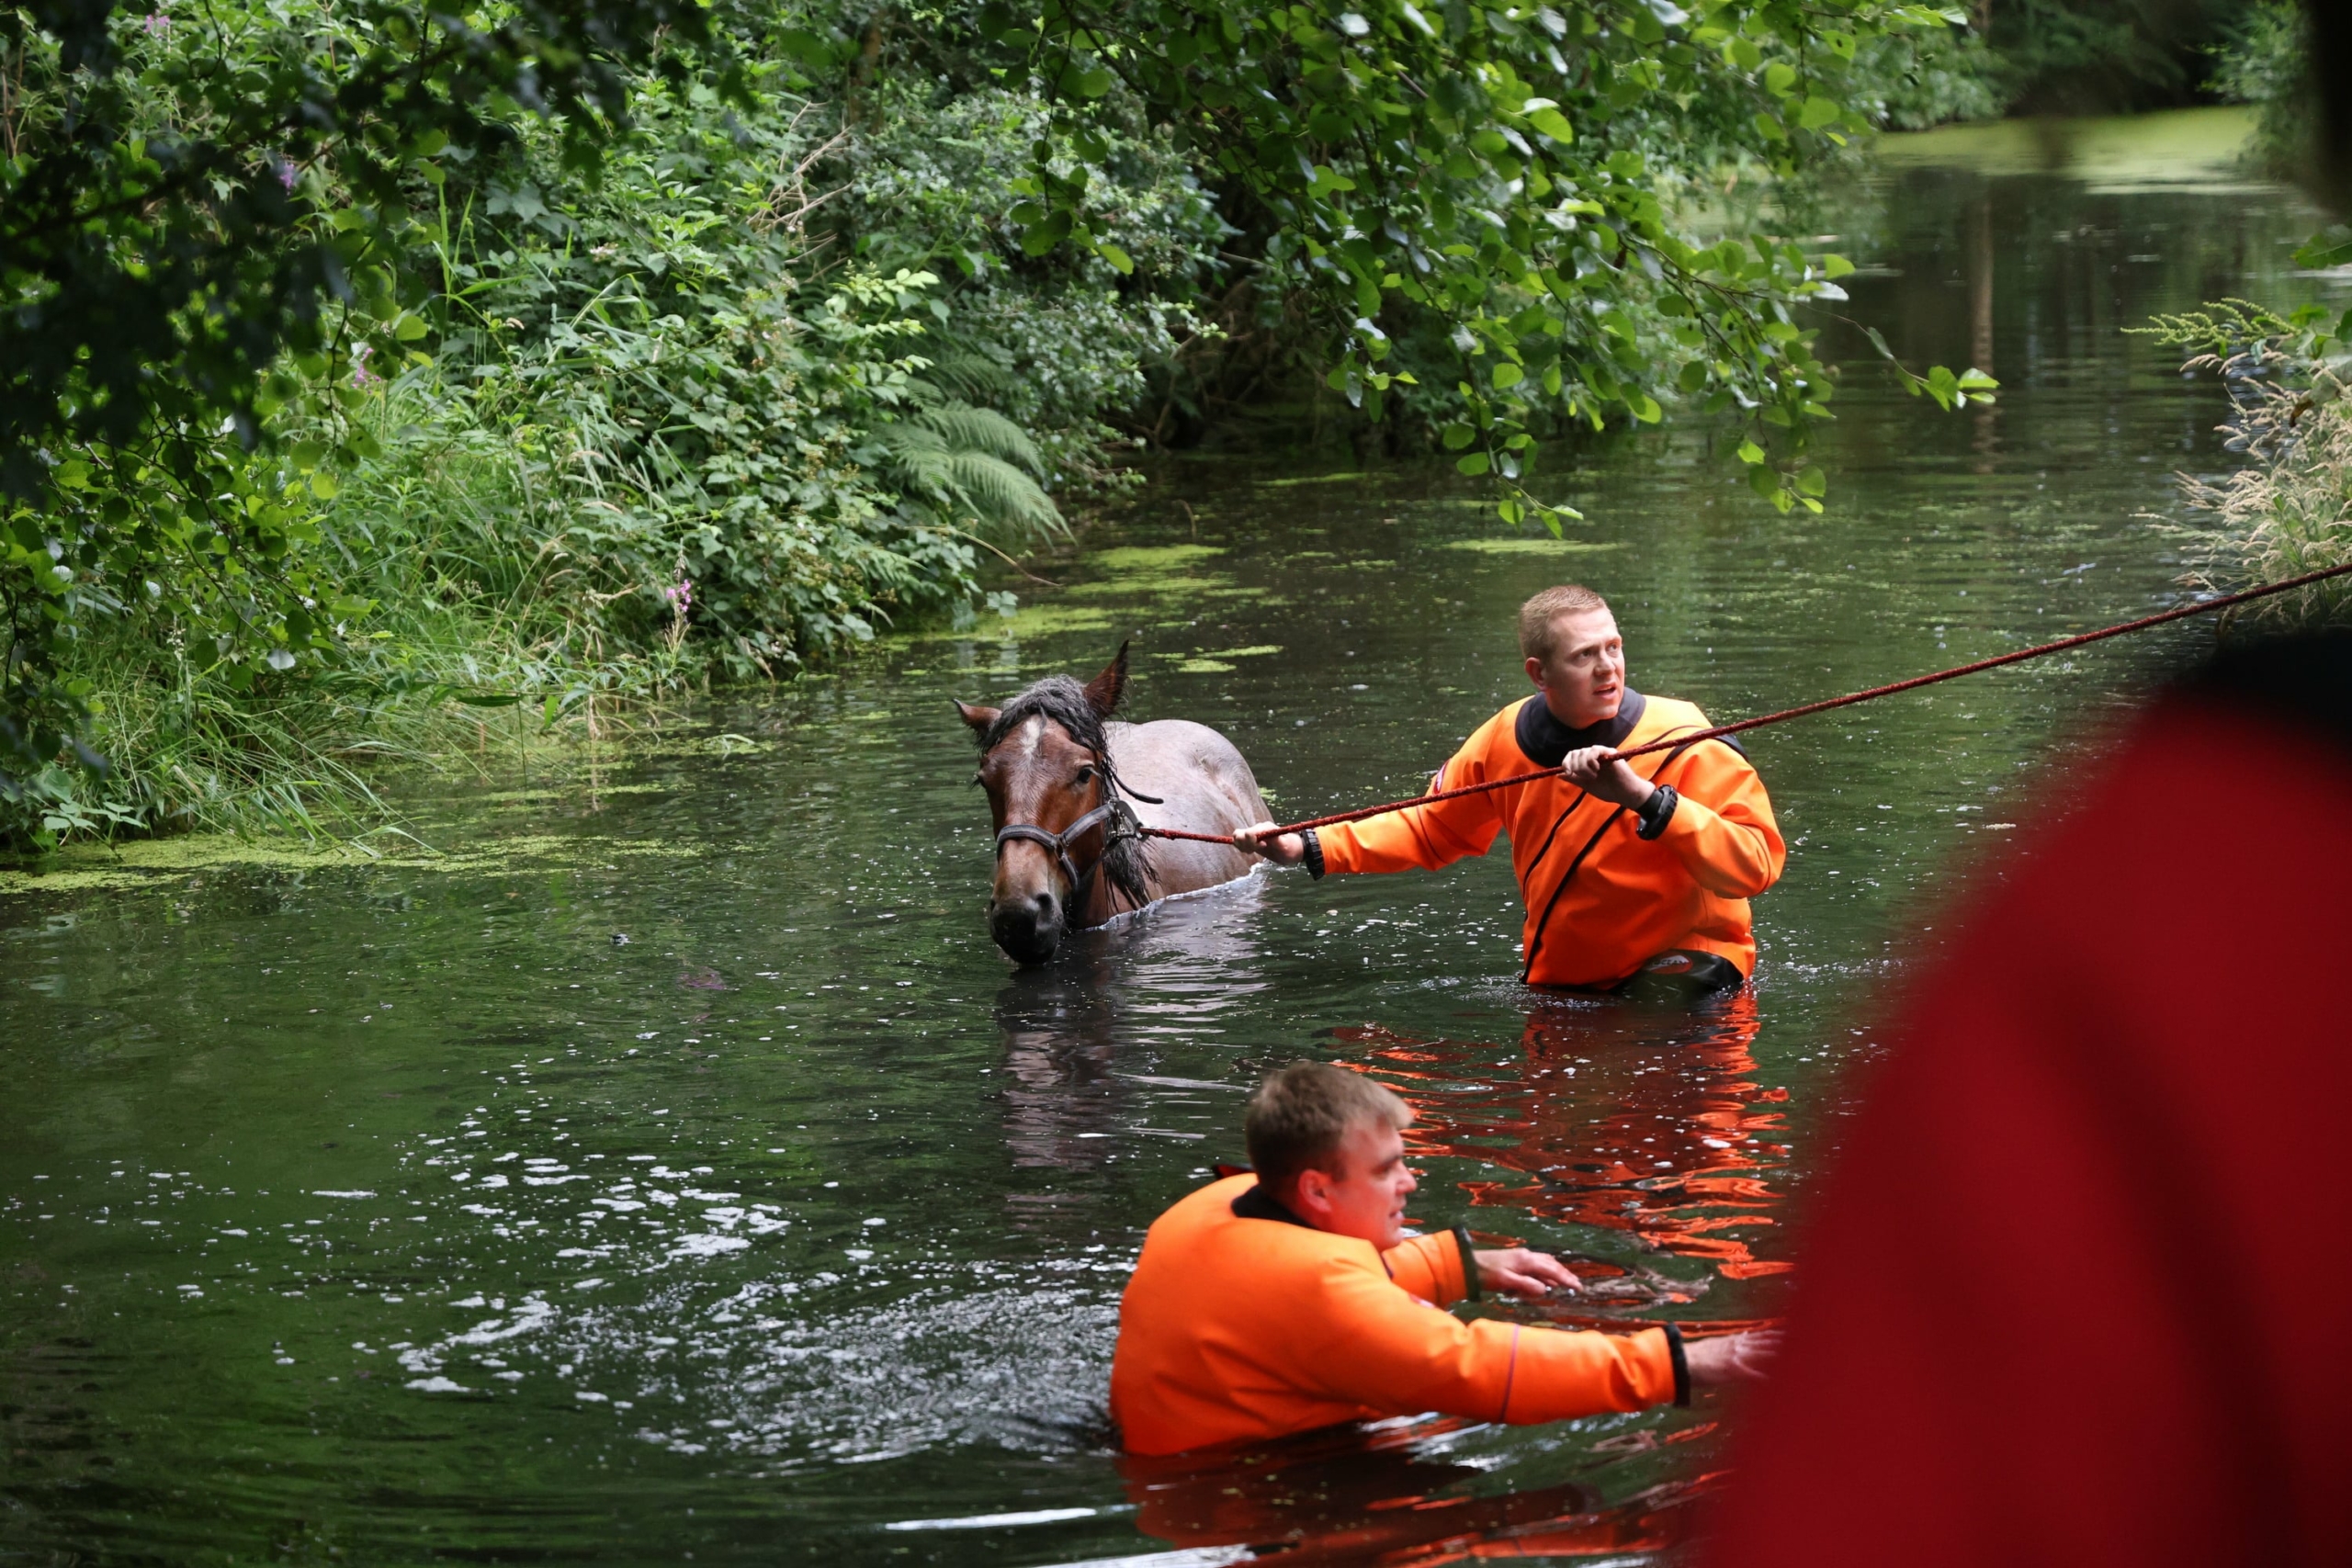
column 1044, row 902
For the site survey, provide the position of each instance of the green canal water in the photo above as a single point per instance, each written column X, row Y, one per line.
column 672, row 1171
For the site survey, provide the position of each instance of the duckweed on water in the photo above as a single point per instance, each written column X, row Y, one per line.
column 1535, row 546
column 151, row 862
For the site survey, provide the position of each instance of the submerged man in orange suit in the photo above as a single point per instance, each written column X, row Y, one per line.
column 1628, row 869
column 1290, row 1299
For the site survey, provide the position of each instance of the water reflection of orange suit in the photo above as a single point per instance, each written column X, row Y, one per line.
column 1354, row 1497
column 1623, row 1119
column 1250, row 1325
column 1601, row 899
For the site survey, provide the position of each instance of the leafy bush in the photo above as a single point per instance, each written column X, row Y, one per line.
column 2288, row 510
column 2267, row 63
column 569, row 355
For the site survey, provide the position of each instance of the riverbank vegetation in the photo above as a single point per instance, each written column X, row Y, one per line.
column 2288, row 510
column 366, row 367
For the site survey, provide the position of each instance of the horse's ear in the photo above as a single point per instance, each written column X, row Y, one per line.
column 1103, row 691
column 979, row 719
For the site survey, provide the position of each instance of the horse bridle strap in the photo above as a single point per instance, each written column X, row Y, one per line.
column 1058, row 844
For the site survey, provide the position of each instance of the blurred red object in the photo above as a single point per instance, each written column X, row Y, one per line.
column 2076, row 1290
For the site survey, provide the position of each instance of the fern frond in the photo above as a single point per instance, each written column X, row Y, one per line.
column 982, row 430
column 967, row 480
column 972, row 375
column 1002, row 495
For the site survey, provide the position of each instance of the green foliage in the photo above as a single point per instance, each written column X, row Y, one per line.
column 196, row 213
column 2288, row 508
column 1507, row 172
column 2266, row 63
column 1930, row 78
column 586, row 429
column 2084, row 57
column 366, row 362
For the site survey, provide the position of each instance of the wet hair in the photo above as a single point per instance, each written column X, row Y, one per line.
column 1300, row 1116
column 1539, row 617
column 1060, row 700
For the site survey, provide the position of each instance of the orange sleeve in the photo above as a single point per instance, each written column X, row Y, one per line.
column 1429, row 1267
column 1425, row 837
column 1386, row 1352
column 1723, row 829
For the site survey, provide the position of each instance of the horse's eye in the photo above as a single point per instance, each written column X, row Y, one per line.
column 1082, row 777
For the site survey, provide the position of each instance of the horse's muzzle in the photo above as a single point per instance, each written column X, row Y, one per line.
column 1028, row 929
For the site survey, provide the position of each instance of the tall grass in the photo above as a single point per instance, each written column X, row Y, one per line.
column 477, row 608
column 2288, row 508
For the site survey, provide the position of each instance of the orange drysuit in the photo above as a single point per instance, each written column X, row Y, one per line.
column 1601, row 899
column 1243, row 1322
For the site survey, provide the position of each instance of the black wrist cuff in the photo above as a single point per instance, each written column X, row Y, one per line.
column 1470, row 1290
column 1682, row 1364
column 1657, row 811
column 1314, row 853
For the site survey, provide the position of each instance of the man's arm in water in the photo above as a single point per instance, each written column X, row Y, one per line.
column 1401, row 1356
column 1720, row 824
column 1430, row 1267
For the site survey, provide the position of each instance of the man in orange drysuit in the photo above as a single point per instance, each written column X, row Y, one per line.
column 1628, row 869
column 1286, row 1300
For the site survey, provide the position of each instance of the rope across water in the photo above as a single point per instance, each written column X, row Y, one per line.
column 2305, row 580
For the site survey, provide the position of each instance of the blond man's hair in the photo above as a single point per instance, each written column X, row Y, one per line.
column 1539, row 618
column 1301, row 1115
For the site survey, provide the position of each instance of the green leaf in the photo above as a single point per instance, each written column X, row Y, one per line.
column 1750, row 453
column 1818, row 112
column 1508, row 374
column 1039, row 238
column 1836, row 266
column 1554, row 124
column 1093, row 83
column 2330, row 248
column 1118, row 258
column 1474, row 463
column 1779, row 78
column 1457, row 437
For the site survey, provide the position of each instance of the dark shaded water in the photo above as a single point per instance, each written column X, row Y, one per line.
column 376, row 1215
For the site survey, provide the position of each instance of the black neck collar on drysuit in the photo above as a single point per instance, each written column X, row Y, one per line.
column 1547, row 741
column 1260, row 1204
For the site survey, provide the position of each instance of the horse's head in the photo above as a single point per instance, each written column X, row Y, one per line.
column 1045, row 763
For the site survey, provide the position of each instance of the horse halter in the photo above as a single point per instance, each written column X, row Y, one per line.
column 1124, row 824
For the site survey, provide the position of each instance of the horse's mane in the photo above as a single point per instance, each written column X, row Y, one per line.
column 1062, row 701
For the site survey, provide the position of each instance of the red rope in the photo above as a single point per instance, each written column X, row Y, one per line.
column 1823, row 706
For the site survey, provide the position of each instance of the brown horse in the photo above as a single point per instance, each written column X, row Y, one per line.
column 1060, row 778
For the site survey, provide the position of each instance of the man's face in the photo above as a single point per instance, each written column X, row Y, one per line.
column 1366, row 1196
column 1584, row 679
